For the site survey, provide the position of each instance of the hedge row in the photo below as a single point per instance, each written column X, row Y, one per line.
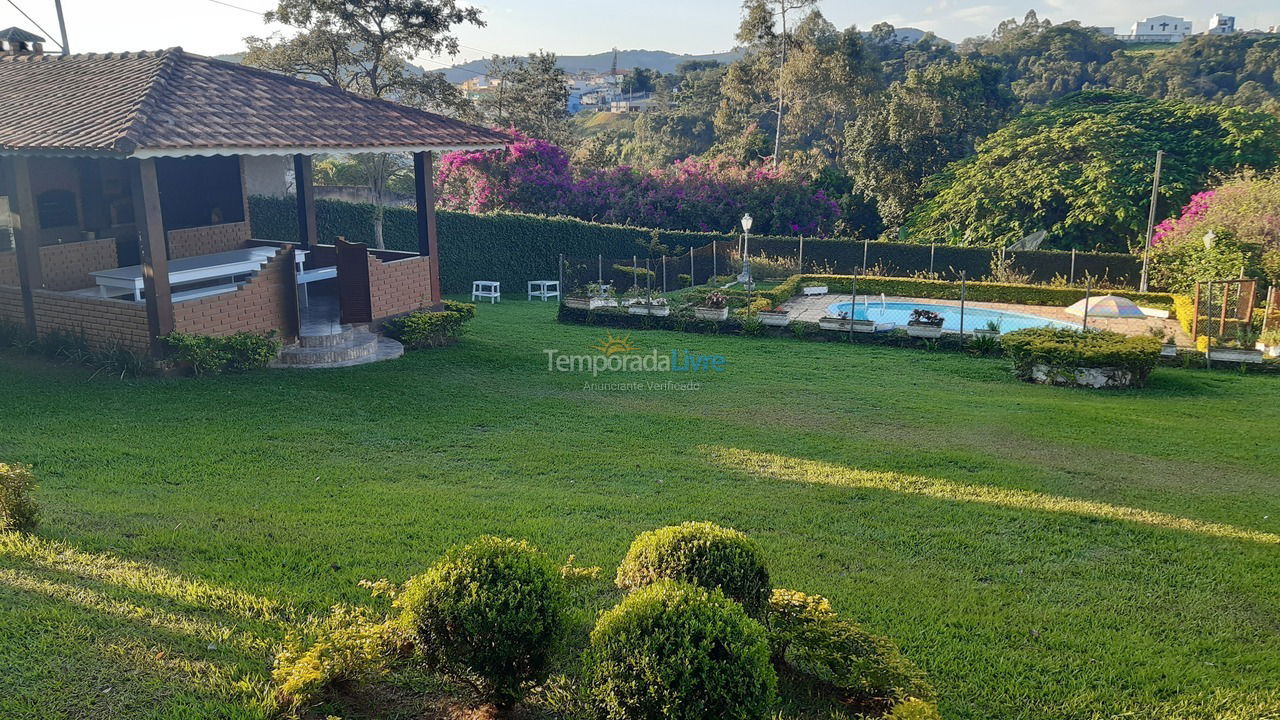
column 1064, row 352
column 844, row 256
column 975, row 291
column 506, row 247
column 513, row 249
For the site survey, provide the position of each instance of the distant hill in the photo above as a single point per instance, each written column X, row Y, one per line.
column 660, row 60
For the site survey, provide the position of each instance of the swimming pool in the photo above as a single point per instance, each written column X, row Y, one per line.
column 974, row 317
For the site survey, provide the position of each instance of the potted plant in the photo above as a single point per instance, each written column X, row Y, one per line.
column 991, row 329
column 777, row 317
column 1168, row 347
column 1242, row 349
column 1269, row 343
column 840, row 322
column 591, row 297
column 655, row 306
column 714, row 307
column 924, row 324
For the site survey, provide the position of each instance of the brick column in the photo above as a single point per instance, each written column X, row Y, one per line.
column 26, row 232
column 155, row 254
column 428, row 236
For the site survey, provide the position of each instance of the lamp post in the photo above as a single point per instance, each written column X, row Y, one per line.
column 745, row 277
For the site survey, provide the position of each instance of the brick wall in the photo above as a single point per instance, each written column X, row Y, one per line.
column 9, row 269
column 259, row 306
column 103, row 322
column 67, row 266
column 208, row 240
column 11, row 306
column 399, row 286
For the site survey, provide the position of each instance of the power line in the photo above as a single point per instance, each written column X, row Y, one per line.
column 237, row 7
column 38, row 27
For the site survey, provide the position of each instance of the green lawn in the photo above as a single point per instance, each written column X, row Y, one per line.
column 1042, row 552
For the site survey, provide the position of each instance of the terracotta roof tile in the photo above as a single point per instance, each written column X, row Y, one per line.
column 172, row 102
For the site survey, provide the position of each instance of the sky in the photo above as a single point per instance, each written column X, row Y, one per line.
column 576, row 27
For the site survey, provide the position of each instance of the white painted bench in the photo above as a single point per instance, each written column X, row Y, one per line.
column 314, row 275
column 487, row 289
column 204, row 292
column 816, row 290
column 544, row 289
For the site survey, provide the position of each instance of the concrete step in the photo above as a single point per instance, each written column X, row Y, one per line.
column 329, row 340
column 351, row 346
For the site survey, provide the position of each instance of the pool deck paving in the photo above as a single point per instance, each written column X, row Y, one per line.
column 809, row 308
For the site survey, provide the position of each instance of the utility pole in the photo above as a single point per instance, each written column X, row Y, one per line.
column 1151, row 220
column 62, row 27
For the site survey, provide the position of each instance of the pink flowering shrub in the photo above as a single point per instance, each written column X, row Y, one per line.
column 533, row 176
column 1243, row 215
column 1194, row 211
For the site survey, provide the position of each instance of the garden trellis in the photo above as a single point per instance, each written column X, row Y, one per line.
column 1224, row 309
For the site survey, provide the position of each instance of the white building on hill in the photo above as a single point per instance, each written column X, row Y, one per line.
column 1221, row 24
column 1160, row 28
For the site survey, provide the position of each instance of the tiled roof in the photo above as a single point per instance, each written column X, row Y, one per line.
column 174, row 103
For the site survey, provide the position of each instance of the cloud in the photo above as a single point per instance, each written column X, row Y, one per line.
column 976, row 12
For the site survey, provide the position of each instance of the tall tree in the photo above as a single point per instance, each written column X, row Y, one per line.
column 365, row 47
column 759, row 26
column 932, row 118
column 1080, row 169
column 537, row 98
column 495, row 106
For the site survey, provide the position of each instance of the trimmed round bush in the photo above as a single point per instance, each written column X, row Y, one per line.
column 914, row 709
column 17, row 507
column 838, row 657
column 492, row 613
column 701, row 553
column 675, row 651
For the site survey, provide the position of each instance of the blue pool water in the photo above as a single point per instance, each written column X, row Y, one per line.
column 974, row 318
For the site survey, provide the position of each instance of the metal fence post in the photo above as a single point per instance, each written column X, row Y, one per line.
column 1071, row 281
column 714, row 269
column 1088, row 293
column 962, row 299
column 664, row 274
column 801, row 254
column 600, row 268
column 853, row 303
column 933, row 248
column 866, row 244
column 692, row 281
column 1208, row 320
column 560, row 277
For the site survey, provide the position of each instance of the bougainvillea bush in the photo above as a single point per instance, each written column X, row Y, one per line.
column 1219, row 233
column 534, row 176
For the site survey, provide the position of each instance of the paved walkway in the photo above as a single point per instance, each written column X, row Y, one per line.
column 810, row 308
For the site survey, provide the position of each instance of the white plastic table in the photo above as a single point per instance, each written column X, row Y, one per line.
column 487, row 289
column 197, row 268
column 544, row 289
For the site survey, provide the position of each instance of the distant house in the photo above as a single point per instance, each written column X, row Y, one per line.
column 1160, row 28
column 632, row 103
column 1221, row 24
column 125, row 176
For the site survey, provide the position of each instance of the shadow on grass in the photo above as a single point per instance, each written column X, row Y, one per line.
column 116, row 638
column 792, row 469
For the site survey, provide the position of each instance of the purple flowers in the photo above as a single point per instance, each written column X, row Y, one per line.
column 534, row 176
column 1195, row 209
